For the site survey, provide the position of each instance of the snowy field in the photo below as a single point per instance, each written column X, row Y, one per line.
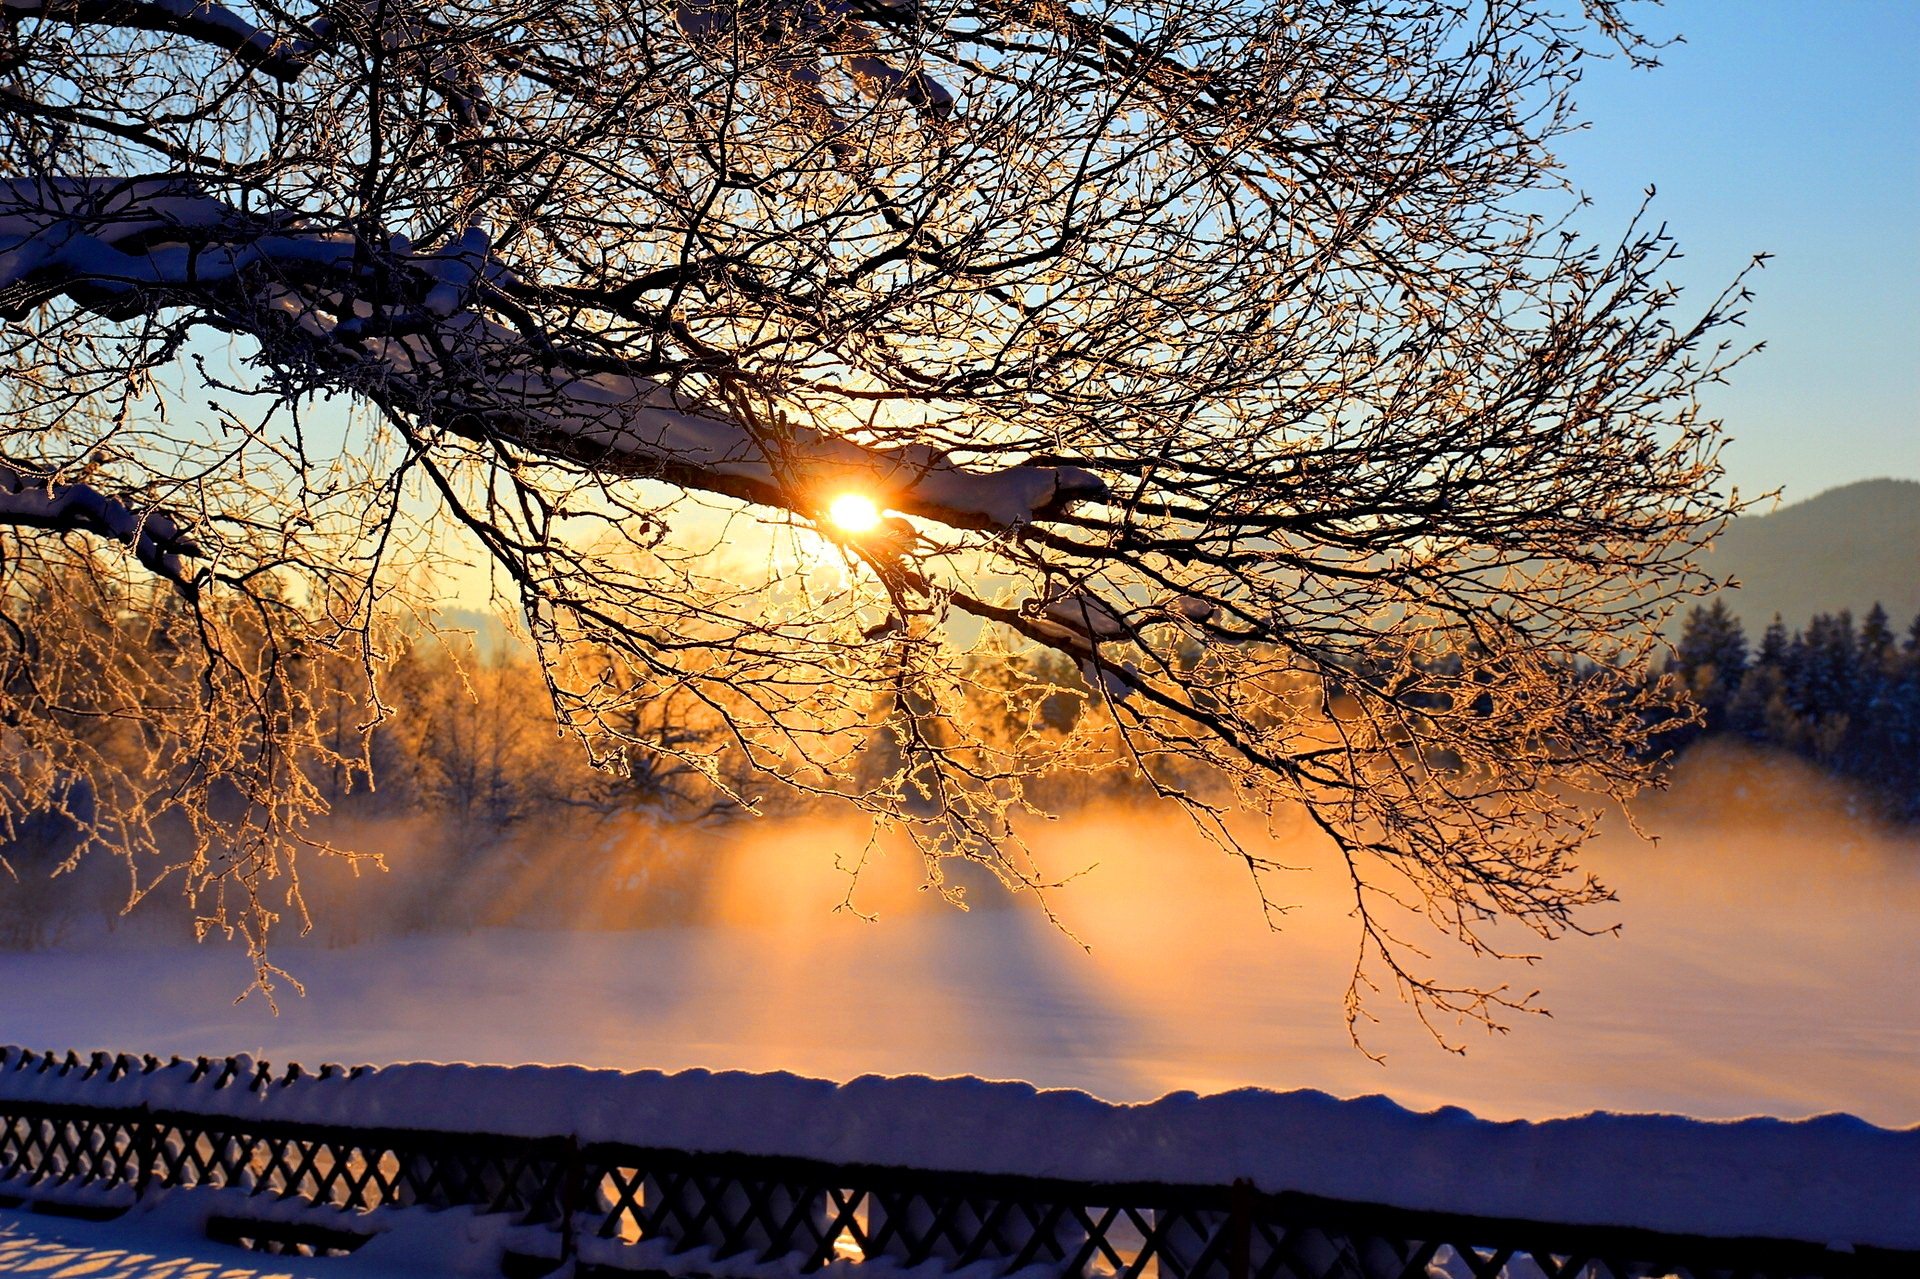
column 173, row 1245
column 1765, row 966
column 31, row 1245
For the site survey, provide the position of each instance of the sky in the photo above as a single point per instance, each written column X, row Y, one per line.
column 1790, row 127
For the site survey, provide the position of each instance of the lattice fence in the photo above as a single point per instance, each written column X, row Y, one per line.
column 812, row 1214
column 615, row 1209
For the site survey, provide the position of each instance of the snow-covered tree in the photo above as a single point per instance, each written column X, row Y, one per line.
column 768, row 352
column 1711, row 659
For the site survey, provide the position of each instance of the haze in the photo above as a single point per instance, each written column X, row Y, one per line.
column 1764, row 966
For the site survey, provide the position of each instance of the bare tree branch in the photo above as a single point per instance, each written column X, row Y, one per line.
column 1227, row 366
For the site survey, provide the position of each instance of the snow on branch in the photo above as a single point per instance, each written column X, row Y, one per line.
column 42, row 500
column 831, row 25
column 413, row 47
column 410, row 330
column 282, row 57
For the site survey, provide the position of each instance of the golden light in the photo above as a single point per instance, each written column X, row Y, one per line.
column 854, row 513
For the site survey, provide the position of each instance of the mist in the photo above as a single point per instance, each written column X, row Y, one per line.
column 1764, row 964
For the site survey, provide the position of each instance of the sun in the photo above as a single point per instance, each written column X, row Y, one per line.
column 854, row 513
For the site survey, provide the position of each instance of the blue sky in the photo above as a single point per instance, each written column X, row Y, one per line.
column 1790, row 127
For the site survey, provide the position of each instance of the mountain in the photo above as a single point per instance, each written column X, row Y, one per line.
column 1845, row 548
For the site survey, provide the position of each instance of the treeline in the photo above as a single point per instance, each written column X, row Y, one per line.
column 484, row 813
column 1843, row 695
column 470, row 740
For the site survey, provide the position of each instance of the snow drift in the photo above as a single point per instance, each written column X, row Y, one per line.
column 1834, row 1179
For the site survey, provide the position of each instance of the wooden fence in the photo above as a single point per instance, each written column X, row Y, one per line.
column 614, row 1209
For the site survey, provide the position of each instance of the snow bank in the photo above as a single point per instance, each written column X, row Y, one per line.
column 1830, row 1179
column 171, row 1231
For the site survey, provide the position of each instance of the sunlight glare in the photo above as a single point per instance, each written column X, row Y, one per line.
column 854, row 513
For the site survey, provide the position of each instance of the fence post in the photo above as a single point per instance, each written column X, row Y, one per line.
column 143, row 1150
column 1240, row 1223
column 572, row 1175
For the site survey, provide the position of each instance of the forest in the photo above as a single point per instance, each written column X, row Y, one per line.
column 456, row 803
column 1843, row 695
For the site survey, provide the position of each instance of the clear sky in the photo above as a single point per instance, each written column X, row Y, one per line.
column 1790, row 127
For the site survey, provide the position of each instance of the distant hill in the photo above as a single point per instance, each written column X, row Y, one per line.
column 1845, row 548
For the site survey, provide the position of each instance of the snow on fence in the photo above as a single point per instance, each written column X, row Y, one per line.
column 765, row 1175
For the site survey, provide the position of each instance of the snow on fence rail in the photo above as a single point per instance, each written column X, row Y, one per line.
column 750, row 1175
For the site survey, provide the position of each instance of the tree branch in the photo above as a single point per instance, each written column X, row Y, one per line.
column 282, row 57
column 125, row 247
column 37, row 499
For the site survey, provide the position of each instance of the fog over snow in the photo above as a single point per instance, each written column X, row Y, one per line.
column 1765, row 966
